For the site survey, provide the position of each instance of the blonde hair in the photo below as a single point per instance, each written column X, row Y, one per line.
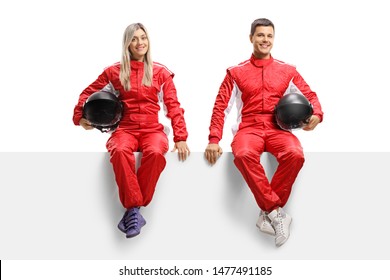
column 125, row 69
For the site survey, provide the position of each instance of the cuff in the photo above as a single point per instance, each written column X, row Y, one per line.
column 213, row 140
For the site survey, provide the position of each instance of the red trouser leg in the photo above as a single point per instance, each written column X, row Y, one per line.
column 288, row 151
column 153, row 147
column 137, row 189
column 122, row 144
column 248, row 145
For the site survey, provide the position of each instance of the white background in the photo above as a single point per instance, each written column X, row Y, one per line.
column 52, row 50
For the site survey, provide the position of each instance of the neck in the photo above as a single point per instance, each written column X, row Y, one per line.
column 140, row 59
column 262, row 56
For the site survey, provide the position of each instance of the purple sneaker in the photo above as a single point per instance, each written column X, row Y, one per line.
column 132, row 222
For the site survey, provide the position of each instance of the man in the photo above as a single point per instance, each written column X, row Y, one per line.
column 257, row 85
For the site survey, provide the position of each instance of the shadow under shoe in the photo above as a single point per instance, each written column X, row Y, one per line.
column 132, row 222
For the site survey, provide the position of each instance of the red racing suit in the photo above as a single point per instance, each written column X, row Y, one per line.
column 256, row 85
column 139, row 128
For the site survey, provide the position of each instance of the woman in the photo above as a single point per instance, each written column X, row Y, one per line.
column 140, row 84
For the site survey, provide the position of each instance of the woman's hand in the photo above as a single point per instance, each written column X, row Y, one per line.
column 182, row 149
column 85, row 124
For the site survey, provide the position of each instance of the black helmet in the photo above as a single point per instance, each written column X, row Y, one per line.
column 103, row 110
column 293, row 111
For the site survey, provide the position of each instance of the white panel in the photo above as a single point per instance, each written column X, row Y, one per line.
column 65, row 206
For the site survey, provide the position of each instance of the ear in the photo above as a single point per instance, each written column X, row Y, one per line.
column 251, row 38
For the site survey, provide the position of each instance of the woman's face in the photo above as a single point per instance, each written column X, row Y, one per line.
column 139, row 45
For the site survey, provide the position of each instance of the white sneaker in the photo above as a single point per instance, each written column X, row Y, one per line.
column 280, row 221
column 264, row 224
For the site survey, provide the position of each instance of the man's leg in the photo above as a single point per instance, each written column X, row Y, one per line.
column 247, row 146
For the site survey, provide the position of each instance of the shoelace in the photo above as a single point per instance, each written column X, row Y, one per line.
column 279, row 230
column 131, row 219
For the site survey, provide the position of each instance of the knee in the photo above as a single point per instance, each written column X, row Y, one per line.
column 296, row 155
column 155, row 152
column 119, row 148
column 154, row 156
column 243, row 153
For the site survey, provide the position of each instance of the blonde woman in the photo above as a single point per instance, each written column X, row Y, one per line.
column 140, row 84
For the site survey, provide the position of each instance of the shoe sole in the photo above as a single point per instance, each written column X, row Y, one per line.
column 272, row 233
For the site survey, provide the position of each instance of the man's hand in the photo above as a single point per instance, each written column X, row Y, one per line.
column 212, row 153
column 182, row 149
column 86, row 124
column 314, row 120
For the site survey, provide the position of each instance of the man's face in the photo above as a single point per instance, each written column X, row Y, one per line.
column 262, row 40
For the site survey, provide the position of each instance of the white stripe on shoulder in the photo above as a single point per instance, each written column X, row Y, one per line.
column 240, row 64
column 162, row 66
column 282, row 62
column 112, row 65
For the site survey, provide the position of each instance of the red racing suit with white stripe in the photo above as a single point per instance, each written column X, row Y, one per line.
column 256, row 85
column 139, row 128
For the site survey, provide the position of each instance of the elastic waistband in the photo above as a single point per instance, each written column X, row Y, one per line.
column 143, row 118
column 259, row 118
column 139, row 118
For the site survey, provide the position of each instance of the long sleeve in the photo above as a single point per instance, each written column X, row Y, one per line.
column 173, row 110
column 310, row 95
column 222, row 106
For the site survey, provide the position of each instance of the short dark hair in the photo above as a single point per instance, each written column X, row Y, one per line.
column 261, row 22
